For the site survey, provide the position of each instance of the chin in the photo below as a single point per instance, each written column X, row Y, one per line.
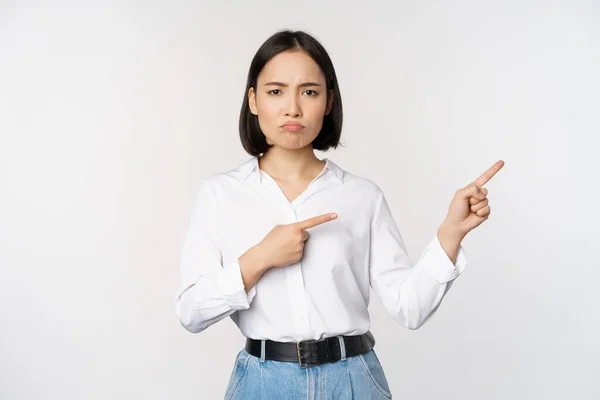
column 291, row 140
column 291, row 146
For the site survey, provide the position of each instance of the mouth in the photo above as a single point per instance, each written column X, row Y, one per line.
column 292, row 127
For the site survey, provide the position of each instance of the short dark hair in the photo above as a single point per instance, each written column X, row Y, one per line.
column 253, row 139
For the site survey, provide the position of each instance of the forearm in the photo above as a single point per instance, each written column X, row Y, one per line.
column 412, row 295
column 252, row 266
column 450, row 240
column 212, row 297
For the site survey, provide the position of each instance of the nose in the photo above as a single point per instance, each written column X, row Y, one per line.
column 293, row 108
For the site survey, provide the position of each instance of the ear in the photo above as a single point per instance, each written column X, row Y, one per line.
column 329, row 102
column 252, row 101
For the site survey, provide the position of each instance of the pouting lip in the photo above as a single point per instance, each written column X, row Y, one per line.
column 292, row 124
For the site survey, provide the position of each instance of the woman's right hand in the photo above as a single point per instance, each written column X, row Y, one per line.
column 284, row 244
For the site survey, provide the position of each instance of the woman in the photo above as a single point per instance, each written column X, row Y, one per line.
column 289, row 245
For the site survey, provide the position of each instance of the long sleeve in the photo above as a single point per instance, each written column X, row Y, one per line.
column 208, row 291
column 410, row 293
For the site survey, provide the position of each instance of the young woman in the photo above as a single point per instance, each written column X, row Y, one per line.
column 289, row 245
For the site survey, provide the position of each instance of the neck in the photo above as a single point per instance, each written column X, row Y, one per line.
column 291, row 165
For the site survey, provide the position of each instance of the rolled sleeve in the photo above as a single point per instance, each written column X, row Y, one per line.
column 437, row 264
column 231, row 287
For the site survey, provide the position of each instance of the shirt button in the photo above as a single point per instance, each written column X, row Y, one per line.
column 301, row 318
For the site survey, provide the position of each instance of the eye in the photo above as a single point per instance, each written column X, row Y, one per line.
column 310, row 92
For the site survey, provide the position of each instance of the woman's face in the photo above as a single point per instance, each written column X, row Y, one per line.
column 290, row 89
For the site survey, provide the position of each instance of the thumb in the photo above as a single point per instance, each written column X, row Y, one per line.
column 305, row 236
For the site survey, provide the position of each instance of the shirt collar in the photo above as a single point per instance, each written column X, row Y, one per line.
column 250, row 168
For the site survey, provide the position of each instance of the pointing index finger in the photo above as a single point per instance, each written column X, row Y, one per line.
column 489, row 174
column 314, row 221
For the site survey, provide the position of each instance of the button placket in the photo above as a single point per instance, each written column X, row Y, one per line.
column 296, row 289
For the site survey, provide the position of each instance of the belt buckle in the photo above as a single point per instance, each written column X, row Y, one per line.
column 298, row 348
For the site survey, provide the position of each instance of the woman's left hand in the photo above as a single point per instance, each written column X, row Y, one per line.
column 470, row 206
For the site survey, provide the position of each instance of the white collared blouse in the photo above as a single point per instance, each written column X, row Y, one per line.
column 327, row 292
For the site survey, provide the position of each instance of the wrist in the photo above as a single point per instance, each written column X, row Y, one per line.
column 256, row 255
column 252, row 267
column 450, row 232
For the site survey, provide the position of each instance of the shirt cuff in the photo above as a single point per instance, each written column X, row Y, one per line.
column 231, row 286
column 438, row 264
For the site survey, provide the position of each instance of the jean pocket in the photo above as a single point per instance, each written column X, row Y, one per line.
column 239, row 369
column 373, row 367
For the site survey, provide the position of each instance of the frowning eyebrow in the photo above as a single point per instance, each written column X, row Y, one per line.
column 304, row 84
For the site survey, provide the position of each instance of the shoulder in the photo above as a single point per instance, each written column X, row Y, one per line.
column 366, row 186
column 364, row 193
column 228, row 178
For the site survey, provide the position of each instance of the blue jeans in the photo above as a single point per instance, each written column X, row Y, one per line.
column 359, row 377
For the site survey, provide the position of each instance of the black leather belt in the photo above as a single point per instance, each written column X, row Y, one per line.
column 312, row 352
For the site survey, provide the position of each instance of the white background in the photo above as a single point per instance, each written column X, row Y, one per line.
column 111, row 114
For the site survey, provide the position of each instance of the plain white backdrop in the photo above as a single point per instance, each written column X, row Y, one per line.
column 112, row 112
